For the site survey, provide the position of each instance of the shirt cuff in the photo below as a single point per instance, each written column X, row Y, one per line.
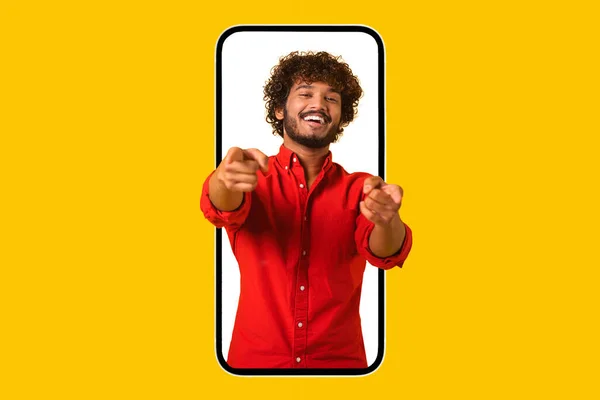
column 228, row 219
column 387, row 262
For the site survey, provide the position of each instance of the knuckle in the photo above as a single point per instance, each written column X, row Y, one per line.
column 229, row 166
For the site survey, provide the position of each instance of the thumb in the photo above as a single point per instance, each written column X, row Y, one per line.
column 234, row 154
column 371, row 183
column 258, row 156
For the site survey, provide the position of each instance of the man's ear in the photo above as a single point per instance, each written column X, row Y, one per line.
column 279, row 113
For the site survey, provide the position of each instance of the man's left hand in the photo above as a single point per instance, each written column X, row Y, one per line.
column 382, row 202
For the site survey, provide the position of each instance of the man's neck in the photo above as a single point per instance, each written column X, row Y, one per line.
column 311, row 159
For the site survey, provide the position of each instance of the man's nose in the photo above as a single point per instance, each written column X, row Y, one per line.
column 318, row 103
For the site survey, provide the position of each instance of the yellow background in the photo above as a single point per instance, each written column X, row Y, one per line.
column 107, row 132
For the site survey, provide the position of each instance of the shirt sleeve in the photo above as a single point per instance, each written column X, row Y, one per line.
column 232, row 220
column 364, row 227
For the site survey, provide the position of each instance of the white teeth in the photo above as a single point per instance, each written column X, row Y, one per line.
column 314, row 118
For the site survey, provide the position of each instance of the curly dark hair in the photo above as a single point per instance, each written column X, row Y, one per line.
column 311, row 67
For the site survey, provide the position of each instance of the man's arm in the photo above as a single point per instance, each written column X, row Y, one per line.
column 381, row 206
column 235, row 175
column 387, row 240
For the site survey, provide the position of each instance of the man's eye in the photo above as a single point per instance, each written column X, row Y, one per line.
column 333, row 100
column 304, row 95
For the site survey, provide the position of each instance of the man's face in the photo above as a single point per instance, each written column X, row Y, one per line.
column 311, row 116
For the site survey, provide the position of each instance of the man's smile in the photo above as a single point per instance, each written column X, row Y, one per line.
column 315, row 119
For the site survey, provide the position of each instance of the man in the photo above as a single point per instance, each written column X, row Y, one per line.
column 301, row 227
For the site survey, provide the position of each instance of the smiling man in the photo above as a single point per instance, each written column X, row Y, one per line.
column 301, row 227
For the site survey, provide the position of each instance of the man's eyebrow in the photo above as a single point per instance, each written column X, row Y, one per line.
column 312, row 87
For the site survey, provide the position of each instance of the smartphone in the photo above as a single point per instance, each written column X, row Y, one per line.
column 245, row 56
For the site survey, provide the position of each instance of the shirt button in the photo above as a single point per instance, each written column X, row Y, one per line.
column 303, row 252
column 302, row 288
column 294, row 159
column 298, row 359
column 299, row 324
column 301, row 186
column 286, row 167
column 305, row 217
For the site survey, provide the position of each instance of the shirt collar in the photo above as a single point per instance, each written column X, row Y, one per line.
column 286, row 156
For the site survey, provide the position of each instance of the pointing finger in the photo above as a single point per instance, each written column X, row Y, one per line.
column 395, row 192
column 258, row 156
column 234, row 154
column 243, row 167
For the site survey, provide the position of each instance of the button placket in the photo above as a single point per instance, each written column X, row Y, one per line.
column 301, row 295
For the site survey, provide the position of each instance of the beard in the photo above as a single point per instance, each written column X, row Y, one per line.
column 311, row 141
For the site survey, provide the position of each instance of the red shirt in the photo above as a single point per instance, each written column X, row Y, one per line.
column 301, row 255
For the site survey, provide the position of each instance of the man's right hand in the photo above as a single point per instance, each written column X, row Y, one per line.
column 236, row 174
column 238, row 170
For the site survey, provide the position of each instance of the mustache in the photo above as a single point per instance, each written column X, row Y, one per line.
column 320, row 113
